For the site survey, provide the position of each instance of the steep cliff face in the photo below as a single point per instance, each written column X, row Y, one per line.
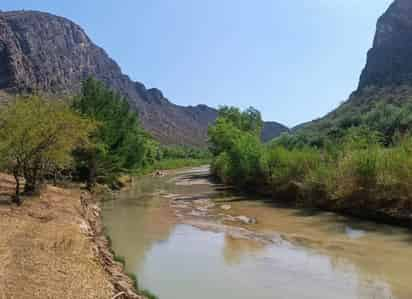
column 386, row 77
column 40, row 51
column 390, row 61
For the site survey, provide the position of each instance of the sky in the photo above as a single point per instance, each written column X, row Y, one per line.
column 293, row 60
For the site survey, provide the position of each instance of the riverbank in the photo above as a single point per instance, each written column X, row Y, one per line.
column 170, row 164
column 53, row 246
column 361, row 204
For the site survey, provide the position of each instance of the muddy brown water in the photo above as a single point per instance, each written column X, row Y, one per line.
column 186, row 237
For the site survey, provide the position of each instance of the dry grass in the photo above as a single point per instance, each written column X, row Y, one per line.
column 44, row 252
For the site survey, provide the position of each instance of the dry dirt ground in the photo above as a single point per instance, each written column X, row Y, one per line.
column 44, row 251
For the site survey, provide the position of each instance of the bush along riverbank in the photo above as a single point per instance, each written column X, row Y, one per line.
column 357, row 173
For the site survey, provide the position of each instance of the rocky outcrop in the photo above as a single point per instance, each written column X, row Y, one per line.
column 386, row 77
column 390, row 61
column 43, row 52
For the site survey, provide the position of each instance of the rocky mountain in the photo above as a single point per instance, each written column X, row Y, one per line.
column 386, row 77
column 390, row 61
column 44, row 52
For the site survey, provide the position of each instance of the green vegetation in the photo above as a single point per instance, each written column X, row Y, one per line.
column 144, row 292
column 37, row 138
column 385, row 110
column 361, row 168
column 96, row 139
column 120, row 259
column 180, row 152
column 166, row 164
column 173, row 157
column 133, row 277
column 119, row 143
column 148, row 294
column 236, row 145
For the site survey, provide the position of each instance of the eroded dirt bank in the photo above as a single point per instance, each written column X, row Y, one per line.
column 53, row 247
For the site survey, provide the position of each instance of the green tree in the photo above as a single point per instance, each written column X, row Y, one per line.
column 230, row 124
column 249, row 120
column 119, row 142
column 37, row 137
column 235, row 142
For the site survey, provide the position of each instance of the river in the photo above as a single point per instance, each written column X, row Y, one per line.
column 186, row 237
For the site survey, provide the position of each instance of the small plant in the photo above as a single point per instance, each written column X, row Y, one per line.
column 133, row 277
column 120, row 259
column 148, row 294
column 144, row 292
column 109, row 241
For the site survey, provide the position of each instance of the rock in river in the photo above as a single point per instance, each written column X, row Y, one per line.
column 226, row 207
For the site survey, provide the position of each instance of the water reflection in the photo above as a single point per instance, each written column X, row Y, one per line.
column 235, row 249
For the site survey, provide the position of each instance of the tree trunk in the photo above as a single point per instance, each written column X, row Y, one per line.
column 54, row 177
column 17, row 198
column 31, row 187
column 91, row 180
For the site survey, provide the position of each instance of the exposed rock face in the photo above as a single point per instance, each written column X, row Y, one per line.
column 40, row 51
column 387, row 76
column 390, row 60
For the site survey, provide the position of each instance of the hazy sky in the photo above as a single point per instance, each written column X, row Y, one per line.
column 294, row 60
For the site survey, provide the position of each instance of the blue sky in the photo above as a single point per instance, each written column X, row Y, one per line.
column 293, row 60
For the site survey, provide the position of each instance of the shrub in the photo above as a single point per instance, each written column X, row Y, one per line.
column 37, row 138
column 148, row 294
column 285, row 166
column 221, row 167
column 357, row 163
column 244, row 159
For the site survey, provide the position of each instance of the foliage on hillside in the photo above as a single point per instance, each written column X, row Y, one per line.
column 386, row 110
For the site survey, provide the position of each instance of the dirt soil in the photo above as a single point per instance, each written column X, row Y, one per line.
column 49, row 248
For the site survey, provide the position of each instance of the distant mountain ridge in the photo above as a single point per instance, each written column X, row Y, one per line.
column 44, row 52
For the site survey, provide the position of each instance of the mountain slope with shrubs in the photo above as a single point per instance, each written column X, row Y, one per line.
column 357, row 173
